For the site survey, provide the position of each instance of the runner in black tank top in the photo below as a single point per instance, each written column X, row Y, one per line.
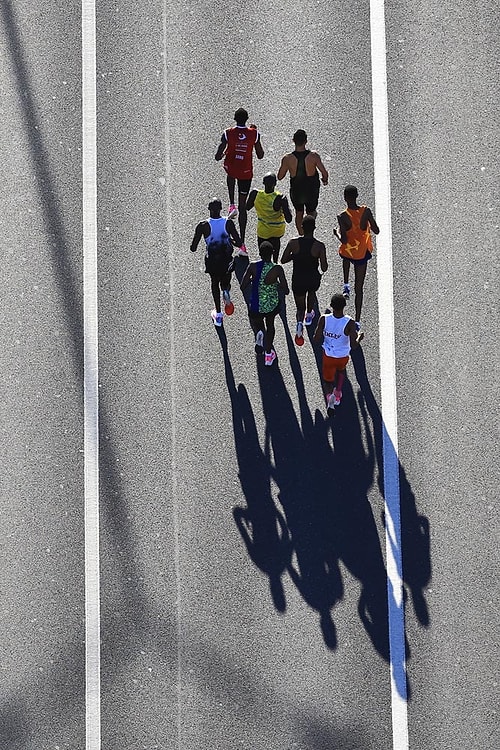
column 306, row 253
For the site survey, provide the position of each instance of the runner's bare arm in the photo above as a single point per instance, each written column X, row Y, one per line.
column 251, row 199
column 233, row 233
column 355, row 336
column 282, row 280
column 322, row 169
column 198, row 234
column 322, row 258
column 259, row 151
column 287, row 252
column 283, row 168
column 247, row 276
column 368, row 218
column 344, row 224
column 318, row 333
column 285, row 207
column 222, row 147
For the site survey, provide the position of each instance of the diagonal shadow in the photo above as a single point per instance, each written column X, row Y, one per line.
column 415, row 528
column 262, row 527
column 324, row 495
column 47, row 193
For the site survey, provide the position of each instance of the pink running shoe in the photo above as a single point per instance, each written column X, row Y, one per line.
column 270, row 357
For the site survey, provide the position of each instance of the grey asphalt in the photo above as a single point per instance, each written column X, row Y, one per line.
column 243, row 582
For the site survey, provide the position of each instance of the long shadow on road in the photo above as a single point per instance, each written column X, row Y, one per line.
column 324, row 471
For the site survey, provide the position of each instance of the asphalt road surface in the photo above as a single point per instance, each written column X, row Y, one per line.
column 243, row 565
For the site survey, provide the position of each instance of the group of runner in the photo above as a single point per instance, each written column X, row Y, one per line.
column 337, row 332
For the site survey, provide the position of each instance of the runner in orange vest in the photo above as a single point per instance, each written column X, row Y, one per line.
column 356, row 224
column 237, row 146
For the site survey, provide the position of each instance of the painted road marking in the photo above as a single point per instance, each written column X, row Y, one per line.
column 90, row 380
column 382, row 176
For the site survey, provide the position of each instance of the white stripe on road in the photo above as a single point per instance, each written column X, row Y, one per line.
column 90, row 379
column 382, row 178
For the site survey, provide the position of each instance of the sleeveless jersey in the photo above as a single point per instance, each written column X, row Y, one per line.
column 238, row 161
column 335, row 342
column 359, row 241
column 264, row 297
column 303, row 262
column 218, row 241
column 300, row 175
column 270, row 223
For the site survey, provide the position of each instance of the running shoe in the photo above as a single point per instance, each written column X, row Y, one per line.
column 232, row 211
column 217, row 318
column 330, row 404
column 358, row 326
column 243, row 251
column 270, row 357
column 299, row 335
column 259, row 342
column 309, row 318
column 228, row 305
column 337, row 395
column 346, row 291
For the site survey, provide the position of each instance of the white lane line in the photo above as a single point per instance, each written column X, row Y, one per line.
column 90, row 379
column 382, row 175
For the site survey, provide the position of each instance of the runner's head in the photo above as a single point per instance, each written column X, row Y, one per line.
column 300, row 137
column 215, row 207
column 350, row 193
column 266, row 251
column 308, row 225
column 337, row 302
column 269, row 180
column 241, row 116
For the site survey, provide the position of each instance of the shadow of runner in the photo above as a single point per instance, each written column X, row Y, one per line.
column 324, row 496
column 262, row 527
column 415, row 529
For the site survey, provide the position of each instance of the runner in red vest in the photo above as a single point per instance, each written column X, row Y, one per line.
column 237, row 146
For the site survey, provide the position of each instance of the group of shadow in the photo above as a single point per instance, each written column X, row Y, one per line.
column 325, row 516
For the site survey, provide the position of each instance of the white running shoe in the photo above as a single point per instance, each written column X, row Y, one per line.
column 232, row 211
column 309, row 318
column 217, row 318
column 243, row 251
column 259, row 342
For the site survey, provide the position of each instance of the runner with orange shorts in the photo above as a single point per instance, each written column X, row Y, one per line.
column 338, row 334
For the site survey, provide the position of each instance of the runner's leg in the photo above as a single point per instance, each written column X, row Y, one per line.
column 312, row 300
column 300, row 301
column 299, row 215
column 231, row 184
column 346, row 265
column 359, row 280
column 270, row 331
column 242, row 213
column 215, row 285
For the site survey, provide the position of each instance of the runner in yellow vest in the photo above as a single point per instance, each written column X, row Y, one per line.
column 273, row 213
